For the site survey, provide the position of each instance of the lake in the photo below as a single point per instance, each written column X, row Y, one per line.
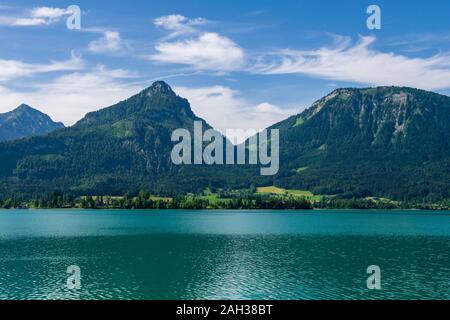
column 224, row 254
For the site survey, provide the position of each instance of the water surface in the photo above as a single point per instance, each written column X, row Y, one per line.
column 224, row 254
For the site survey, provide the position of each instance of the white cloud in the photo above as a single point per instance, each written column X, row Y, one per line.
column 36, row 17
column 208, row 51
column 223, row 109
column 12, row 69
column 68, row 98
column 110, row 42
column 200, row 50
column 170, row 22
column 28, row 22
column 48, row 13
column 178, row 24
column 362, row 64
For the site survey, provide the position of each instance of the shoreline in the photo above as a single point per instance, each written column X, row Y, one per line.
column 228, row 210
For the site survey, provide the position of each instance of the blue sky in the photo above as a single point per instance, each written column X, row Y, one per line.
column 242, row 64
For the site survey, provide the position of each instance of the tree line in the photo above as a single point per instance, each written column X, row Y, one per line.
column 243, row 201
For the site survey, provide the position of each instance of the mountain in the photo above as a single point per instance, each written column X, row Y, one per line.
column 119, row 149
column 388, row 142
column 25, row 121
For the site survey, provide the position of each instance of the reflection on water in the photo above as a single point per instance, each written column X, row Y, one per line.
column 138, row 263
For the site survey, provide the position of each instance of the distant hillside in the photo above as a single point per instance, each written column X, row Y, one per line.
column 25, row 121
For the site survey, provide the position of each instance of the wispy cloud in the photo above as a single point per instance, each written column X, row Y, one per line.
column 13, row 69
column 35, row 17
column 177, row 24
column 197, row 49
column 359, row 63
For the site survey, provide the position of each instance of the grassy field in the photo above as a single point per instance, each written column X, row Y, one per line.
column 299, row 122
column 289, row 192
column 156, row 198
column 379, row 199
column 213, row 198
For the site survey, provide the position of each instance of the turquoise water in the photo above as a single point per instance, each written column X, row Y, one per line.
column 224, row 254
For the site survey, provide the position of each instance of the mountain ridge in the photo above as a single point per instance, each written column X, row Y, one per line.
column 389, row 142
column 25, row 121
